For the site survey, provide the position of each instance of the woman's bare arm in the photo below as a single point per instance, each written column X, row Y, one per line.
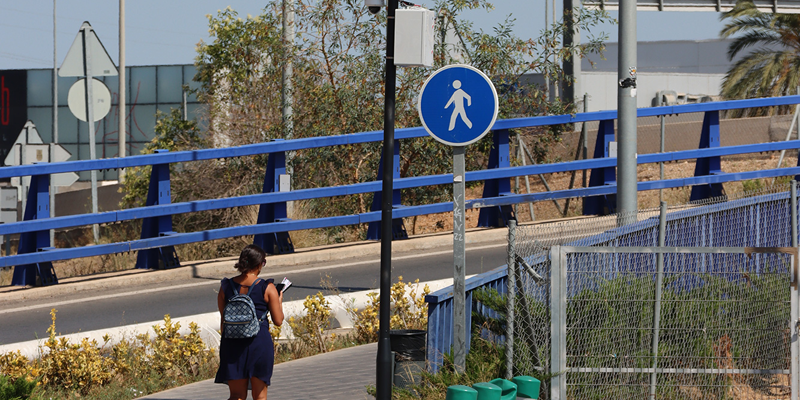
column 274, row 302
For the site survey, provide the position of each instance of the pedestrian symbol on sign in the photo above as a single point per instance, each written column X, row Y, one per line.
column 458, row 105
column 458, row 99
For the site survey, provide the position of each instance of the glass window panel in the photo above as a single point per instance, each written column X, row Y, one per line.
column 40, row 87
column 42, row 117
column 142, row 89
column 169, row 84
column 72, row 149
column 188, row 78
column 112, row 82
column 64, row 84
column 143, row 122
column 67, row 126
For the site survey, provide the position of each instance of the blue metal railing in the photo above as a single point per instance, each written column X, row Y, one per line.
column 41, row 222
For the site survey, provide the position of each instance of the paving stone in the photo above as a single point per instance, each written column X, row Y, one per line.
column 338, row 375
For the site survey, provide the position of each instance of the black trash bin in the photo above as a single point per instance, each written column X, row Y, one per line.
column 408, row 346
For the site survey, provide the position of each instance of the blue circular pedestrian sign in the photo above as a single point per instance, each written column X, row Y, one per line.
column 458, row 105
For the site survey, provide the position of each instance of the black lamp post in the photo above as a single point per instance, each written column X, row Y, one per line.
column 383, row 382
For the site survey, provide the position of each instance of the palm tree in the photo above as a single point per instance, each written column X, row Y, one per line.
column 773, row 68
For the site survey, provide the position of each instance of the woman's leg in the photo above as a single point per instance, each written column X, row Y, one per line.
column 259, row 389
column 238, row 388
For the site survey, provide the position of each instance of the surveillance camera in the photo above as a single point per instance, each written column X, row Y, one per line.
column 374, row 6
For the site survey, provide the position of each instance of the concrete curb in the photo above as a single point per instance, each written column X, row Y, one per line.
column 194, row 269
column 209, row 322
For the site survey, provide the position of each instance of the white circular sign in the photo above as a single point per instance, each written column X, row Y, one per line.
column 100, row 94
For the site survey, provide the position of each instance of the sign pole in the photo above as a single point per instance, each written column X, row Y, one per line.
column 87, row 69
column 458, row 106
column 459, row 263
column 383, row 369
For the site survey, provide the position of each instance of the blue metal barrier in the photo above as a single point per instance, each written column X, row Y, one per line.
column 273, row 226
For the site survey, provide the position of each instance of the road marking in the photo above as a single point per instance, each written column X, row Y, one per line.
column 198, row 284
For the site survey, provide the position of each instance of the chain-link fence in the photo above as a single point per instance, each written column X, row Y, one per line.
column 723, row 330
column 718, row 311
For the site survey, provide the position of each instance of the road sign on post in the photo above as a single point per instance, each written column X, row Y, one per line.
column 87, row 58
column 29, row 148
column 458, row 106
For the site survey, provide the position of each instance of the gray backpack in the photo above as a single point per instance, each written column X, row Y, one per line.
column 239, row 318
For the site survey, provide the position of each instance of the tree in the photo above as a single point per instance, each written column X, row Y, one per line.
column 338, row 85
column 773, row 67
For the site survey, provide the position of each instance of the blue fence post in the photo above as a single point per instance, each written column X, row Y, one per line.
column 159, row 193
column 37, row 207
column 278, row 242
column 498, row 158
column 709, row 137
column 607, row 204
column 398, row 228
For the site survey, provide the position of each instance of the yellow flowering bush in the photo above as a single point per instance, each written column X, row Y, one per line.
column 310, row 328
column 87, row 365
column 408, row 310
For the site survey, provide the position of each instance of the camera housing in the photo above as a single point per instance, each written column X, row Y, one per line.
column 374, row 6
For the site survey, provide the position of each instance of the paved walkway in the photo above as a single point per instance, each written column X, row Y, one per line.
column 341, row 374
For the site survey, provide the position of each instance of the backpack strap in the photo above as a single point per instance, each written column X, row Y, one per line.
column 256, row 282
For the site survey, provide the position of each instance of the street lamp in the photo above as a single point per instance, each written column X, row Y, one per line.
column 383, row 381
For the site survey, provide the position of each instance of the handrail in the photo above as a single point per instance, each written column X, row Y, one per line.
column 367, row 137
column 405, row 212
column 405, row 183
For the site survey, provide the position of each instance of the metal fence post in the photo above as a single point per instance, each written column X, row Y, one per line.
column 558, row 324
column 795, row 306
column 511, row 294
column 662, row 231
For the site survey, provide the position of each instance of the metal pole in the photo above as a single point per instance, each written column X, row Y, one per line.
column 87, row 70
column 123, row 131
column 459, row 263
column 287, row 100
column 789, row 133
column 527, row 179
column 55, row 123
column 383, row 382
column 572, row 63
column 585, row 135
column 578, row 152
column 662, row 240
column 558, row 324
column 511, row 286
column 626, row 98
column 661, row 163
column 546, row 54
column 794, row 303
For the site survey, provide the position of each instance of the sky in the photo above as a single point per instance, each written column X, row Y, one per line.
column 162, row 32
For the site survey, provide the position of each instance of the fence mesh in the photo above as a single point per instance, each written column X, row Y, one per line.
column 615, row 295
column 723, row 328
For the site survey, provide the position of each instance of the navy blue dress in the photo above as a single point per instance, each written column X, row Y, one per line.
column 252, row 357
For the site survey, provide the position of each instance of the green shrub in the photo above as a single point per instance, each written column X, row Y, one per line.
column 16, row 389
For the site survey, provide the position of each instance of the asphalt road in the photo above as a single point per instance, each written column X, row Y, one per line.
column 119, row 307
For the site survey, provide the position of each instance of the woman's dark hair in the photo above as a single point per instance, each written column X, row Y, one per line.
column 251, row 258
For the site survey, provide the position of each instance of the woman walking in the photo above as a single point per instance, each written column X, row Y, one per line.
column 249, row 360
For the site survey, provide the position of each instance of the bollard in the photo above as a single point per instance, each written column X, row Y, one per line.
column 508, row 388
column 461, row 392
column 487, row 391
column 527, row 386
